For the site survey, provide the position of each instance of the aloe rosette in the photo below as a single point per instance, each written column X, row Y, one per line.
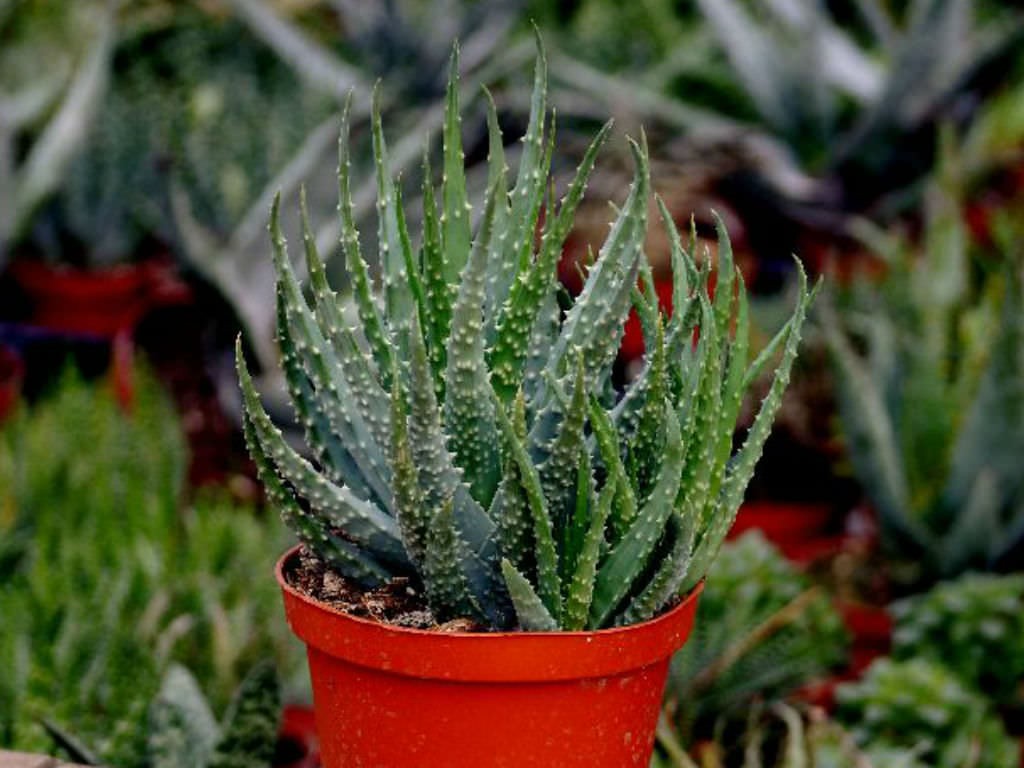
column 465, row 430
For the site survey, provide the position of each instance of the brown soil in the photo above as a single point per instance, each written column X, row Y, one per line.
column 399, row 603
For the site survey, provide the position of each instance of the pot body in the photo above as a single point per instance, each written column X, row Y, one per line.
column 388, row 697
column 102, row 302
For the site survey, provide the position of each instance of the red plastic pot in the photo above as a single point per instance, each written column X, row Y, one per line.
column 390, row 697
column 102, row 302
column 871, row 628
column 799, row 531
column 12, row 374
column 297, row 742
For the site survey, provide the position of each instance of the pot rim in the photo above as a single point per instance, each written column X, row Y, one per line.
column 485, row 656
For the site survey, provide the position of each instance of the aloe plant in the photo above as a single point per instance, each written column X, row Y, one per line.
column 930, row 376
column 462, row 430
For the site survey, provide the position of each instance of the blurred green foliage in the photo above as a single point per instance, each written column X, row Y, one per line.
column 762, row 630
column 108, row 573
column 974, row 626
column 921, row 705
column 930, row 388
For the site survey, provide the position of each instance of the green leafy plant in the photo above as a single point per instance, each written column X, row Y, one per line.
column 476, row 445
column 974, row 626
column 930, row 386
column 108, row 574
column 762, row 630
column 921, row 705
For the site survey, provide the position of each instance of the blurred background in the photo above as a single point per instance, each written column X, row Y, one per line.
column 870, row 611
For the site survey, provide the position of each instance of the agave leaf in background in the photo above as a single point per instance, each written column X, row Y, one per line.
column 72, row 106
column 932, row 408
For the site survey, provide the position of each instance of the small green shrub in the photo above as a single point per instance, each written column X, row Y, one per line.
column 108, row 574
column 762, row 626
column 973, row 626
column 921, row 705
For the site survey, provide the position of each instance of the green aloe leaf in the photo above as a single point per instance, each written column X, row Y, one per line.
column 448, row 591
column 628, row 558
column 532, row 176
column 360, row 370
column 549, row 585
column 625, row 505
column 645, row 449
column 581, row 586
column 438, row 293
column 468, row 410
column 526, row 300
column 361, row 521
column 533, row 615
column 594, row 324
column 558, row 473
column 668, row 578
column 369, row 313
column 331, row 452
column 411, row 510
column 455, row 232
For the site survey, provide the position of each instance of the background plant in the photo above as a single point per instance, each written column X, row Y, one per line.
column 108, row 574
column 921, row 705
column 974, row 626
column 762, row 631
column 781, row 735
column 803, row 116
column 930, row 386
column 477, row 472
column 182, row 731
column 44, row 120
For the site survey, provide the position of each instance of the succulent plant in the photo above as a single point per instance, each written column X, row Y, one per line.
column 762, row 630
column 184, row 733
column 974, row 626
column 930, row 388
column 477, row 445
column 921, row 705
